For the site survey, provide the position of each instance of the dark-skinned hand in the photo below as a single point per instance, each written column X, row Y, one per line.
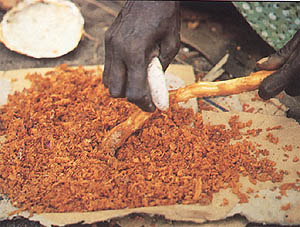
column 141, row 31
column 287, row 77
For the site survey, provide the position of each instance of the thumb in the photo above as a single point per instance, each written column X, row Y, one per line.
column 275, row 83
column 275, row 61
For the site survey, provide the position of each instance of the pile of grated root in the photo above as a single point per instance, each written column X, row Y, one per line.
column 51, row 160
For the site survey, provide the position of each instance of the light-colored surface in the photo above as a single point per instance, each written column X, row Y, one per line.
column 249, row 101
column 266, row 208
column 258, row 209
column 42, row 29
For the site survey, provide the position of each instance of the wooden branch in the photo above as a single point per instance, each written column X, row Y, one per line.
column 217, row 70
column 119, row 134
column 221, row 88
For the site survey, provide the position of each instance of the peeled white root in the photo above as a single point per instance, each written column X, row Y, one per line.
column 42, row 28
column 158, row 85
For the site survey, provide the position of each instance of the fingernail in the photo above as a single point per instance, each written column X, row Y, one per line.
column 262, row 60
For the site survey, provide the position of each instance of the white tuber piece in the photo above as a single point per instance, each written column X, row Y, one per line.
column 42, row 28
column 158, row 85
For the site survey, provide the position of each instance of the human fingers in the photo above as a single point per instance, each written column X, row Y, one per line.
column 275, row 61
column 137, row 89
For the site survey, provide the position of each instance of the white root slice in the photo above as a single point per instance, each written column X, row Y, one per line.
column 158, row 85
column 42, row 28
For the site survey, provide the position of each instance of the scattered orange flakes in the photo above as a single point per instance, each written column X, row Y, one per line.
column 286, row 207
column 236, row 190
column 247, row 109
column 250, row 190
column 236, row 125
column 263, row 152
column 295, row 159
column 286, row 155
column 258, row 144
column 252, row 180
column 52, row 160
column 288, row 186
column 298, row 173
column 277, row 127
column 225, row 202
column 288, row 148
column 271, row 138
column 254, row 132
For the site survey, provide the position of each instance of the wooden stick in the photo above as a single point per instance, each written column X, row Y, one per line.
column 119, row 134
column 217, row 70
column 221, row 88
